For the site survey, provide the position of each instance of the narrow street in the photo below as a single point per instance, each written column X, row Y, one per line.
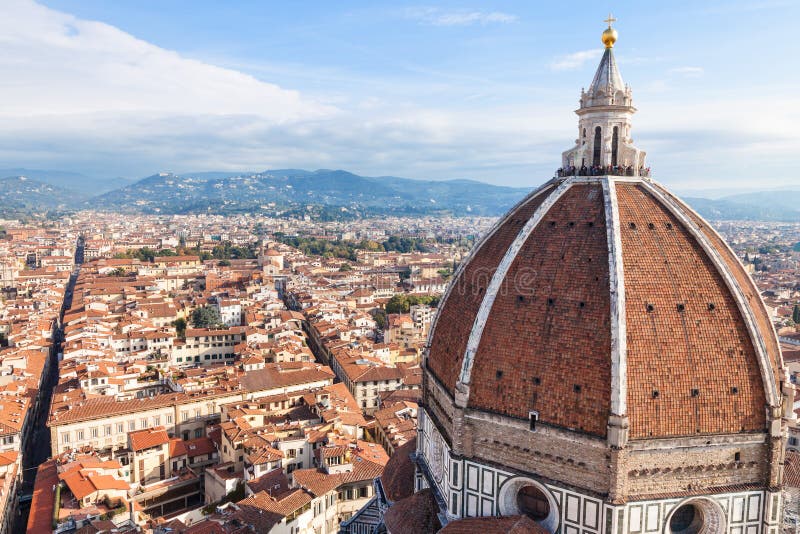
column 37, row 450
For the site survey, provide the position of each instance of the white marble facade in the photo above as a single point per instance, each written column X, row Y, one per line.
column 471, row 489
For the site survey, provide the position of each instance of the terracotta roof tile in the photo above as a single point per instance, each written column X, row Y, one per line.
column 456, row 318
column 151, row 437
column 550, row 331
column 692, row 367
column 702, row 354
column 413, row 514
column 398, row 476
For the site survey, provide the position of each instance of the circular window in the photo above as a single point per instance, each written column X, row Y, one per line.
column 699, row 516
column 686, row 520
column 525, row 496
column 531, row 501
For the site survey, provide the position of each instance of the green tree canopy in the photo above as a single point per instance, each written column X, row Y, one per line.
column 180, row 327
column 206, row 317
column 402, row 303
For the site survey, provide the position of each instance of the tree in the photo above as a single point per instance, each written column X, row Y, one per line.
column 398, row 304
column 796, row 314
column 145, row 254
column 180, row 327
column 380, row 318
column 345, row 267
column 119, row 271
column 402, row 303
column 206, row 317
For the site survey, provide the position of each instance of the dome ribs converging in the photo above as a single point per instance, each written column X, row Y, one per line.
column 670, row 344
column 691, row 365
column 546, row 345
column 467, row 290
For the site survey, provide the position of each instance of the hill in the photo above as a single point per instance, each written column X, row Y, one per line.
column 288, row 190
column 777, row 205
column 72, row 181
column 329, row 194
column 21, row 195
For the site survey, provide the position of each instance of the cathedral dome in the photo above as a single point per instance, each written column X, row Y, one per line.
column 602, row 362
column 600, row 298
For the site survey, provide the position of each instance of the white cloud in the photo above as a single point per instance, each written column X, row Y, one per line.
column 85, row 96
column 440, row 17
column 688, row 71
column 575, row 60
column 54, row 63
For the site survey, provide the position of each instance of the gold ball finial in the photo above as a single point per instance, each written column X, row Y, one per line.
column 609, row 36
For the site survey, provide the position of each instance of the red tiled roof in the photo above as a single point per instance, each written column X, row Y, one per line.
column 692, row 365
column 8, row 457
column 82, row 483
column 200, row 446
column 548, row 335
column 416, row 513
column 262, row 511
column 44, row 498
column 151, row 437
column 398, row 476
column 747, row 285
column 177, row 447
column 457, row 314
column 696, row 349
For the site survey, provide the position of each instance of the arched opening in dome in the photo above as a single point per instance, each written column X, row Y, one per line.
column 531, row 501
column 614, row 146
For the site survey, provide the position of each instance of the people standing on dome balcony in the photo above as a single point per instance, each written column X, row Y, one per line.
column 597, row 170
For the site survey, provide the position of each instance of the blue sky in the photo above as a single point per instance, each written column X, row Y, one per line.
column 440, row 90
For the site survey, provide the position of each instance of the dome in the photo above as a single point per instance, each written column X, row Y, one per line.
column 601, row 361
column 600, row 298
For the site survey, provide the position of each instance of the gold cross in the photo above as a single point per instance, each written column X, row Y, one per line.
column 610, row 19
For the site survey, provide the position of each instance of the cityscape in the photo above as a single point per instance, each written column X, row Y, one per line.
column 317, row 352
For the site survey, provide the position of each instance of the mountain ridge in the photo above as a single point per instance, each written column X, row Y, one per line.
column 328, row 193
column 291, row 189
column 20, row 194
